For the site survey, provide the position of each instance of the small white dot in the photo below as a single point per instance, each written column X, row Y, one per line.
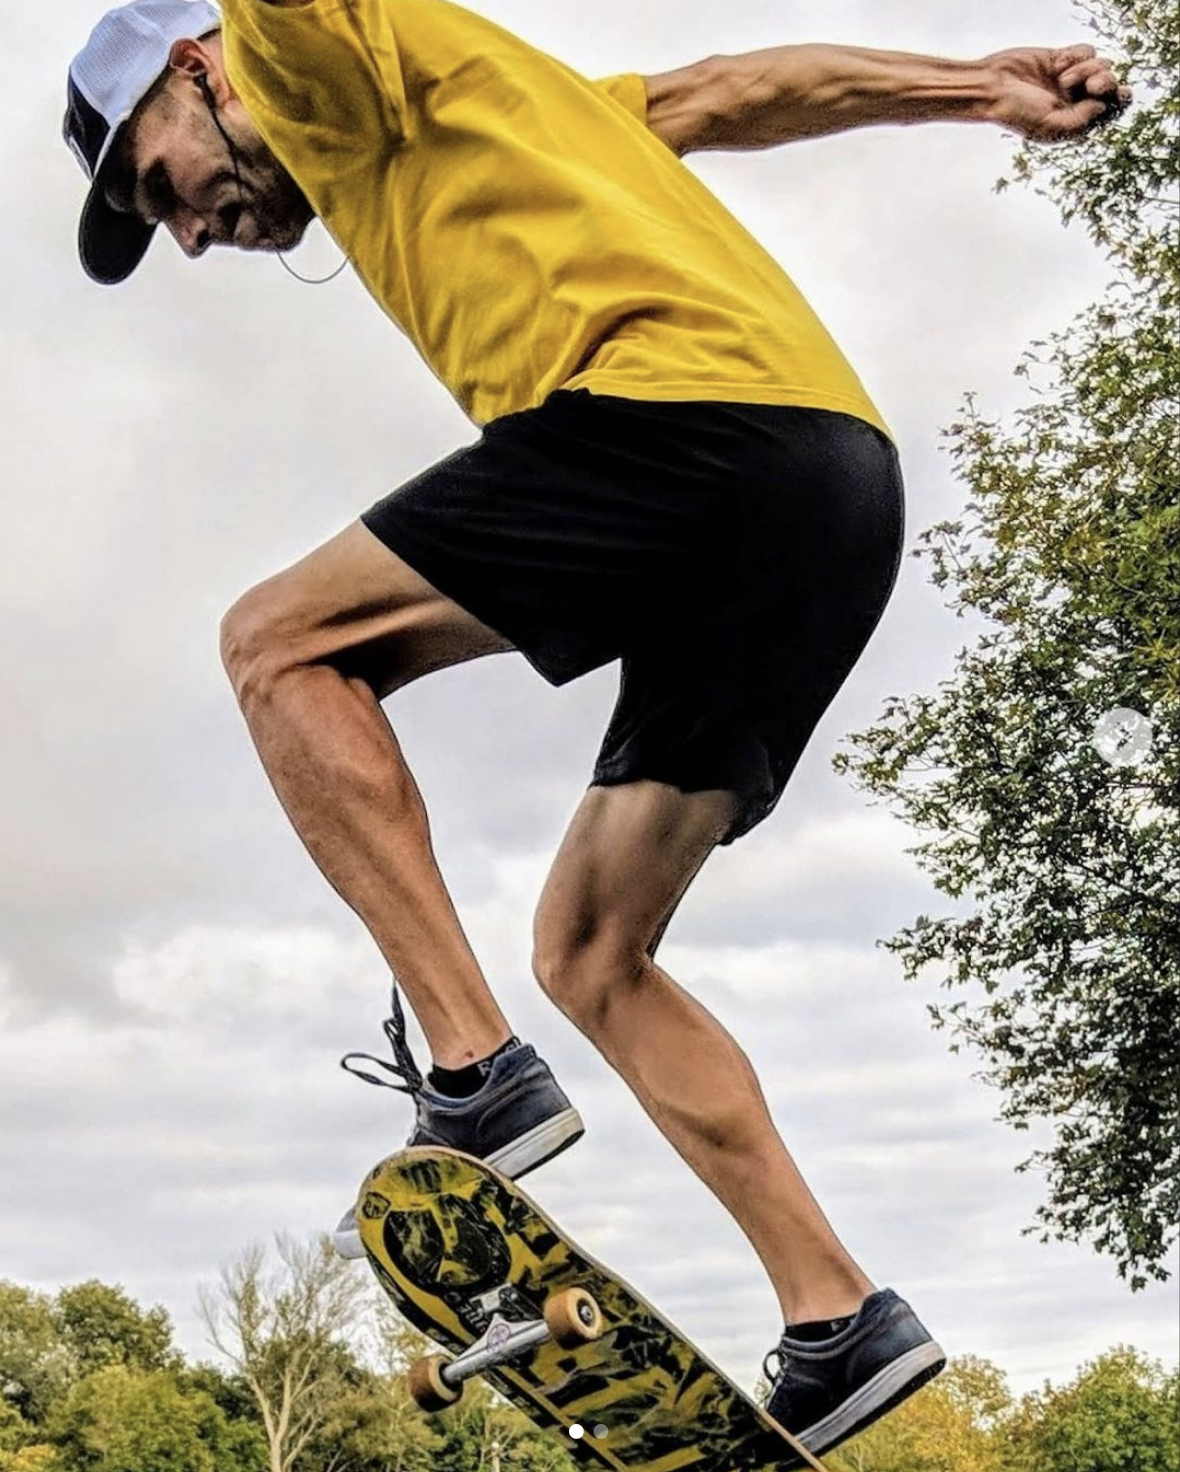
column 577, row 1432
column 602, row 1432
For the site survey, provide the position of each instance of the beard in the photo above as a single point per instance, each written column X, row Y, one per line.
column 262, row 208
column 275, row 211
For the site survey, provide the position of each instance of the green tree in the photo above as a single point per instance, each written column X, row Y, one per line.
column 372, row 1426
column 102, row 1325
column 1121, row 1414
column 1064, row 938
column 36, row 1457
column 17, row 1437
column 229, row 1392
column 463, row 1439
column 124, row 1420
column 35, row 1365
column 283, row 1328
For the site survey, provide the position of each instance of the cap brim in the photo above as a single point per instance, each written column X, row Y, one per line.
column 110, row 243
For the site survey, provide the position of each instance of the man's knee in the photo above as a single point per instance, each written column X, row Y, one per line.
column 256, row 642
column 581, row 963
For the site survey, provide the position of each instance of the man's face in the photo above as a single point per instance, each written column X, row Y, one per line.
column 179, row 170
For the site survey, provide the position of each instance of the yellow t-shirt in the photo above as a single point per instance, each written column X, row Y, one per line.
column 521, row 224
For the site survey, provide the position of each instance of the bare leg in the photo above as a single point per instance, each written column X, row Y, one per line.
column 310, row 653
column 629, row 855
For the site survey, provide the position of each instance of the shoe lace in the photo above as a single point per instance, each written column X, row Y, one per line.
column 403, row 1066
column 777, row 1354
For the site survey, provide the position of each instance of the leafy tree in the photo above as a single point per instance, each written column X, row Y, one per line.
column 229, row 1392
column 1121, row 1414
column 36, row 1457
column 119, row 1419
column 102, row 1325
column 16, row 1435
column 1064, row 866
column 34, row 1364
column 374, row 1427
column 471, row 1437
column 283, row 1330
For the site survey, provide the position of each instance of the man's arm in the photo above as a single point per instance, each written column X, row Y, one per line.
column 764, row 98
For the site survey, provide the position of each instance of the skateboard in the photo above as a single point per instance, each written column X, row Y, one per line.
column 466, row 1257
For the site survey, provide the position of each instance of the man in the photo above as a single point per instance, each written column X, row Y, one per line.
column 678, row 469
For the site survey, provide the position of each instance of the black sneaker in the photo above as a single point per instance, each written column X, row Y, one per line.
column 826, row 1390
column 519, row 1119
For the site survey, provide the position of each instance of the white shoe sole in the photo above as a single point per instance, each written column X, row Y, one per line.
column 531, row 1150
column 537, row 1145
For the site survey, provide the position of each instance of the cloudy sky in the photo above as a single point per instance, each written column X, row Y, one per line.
column 176, row 982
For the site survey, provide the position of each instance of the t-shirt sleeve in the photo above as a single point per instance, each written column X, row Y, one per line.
column 298, row 62
column 629, row 90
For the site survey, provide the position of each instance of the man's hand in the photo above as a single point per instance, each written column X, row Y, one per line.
column 1049, row 96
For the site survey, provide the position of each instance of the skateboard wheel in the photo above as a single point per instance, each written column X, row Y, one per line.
column 573, row 1318
column 428, row 1390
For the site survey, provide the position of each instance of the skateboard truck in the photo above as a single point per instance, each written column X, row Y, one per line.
column 571, row 1318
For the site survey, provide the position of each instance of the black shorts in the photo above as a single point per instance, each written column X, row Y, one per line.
column 735, row 557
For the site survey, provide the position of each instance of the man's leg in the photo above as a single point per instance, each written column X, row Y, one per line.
column 630, row 854
column 311, row 652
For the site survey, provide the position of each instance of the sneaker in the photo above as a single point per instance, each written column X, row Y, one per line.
column 826, row 1390
column 519, row 1119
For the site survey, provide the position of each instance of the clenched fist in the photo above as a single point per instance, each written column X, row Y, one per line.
column 1050, row 96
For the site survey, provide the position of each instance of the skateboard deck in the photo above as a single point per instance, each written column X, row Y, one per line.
column 467, row 1258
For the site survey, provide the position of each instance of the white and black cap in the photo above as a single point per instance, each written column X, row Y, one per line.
column 127, row 51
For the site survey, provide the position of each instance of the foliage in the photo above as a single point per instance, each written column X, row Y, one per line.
column 34, row 1364
column 32, row 1458
column 17, row 1437
column 48, row 1343
column 282, row 1329
column 119, row 1419
column 473, row 1435
column 102, row 1326
column 1121, row 1414
column 1063, row 867
column 229, row 1392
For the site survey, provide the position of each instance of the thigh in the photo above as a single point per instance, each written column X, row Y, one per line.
column 356, row 604
column 627, row 859
column 534, row 529
column 728, row 694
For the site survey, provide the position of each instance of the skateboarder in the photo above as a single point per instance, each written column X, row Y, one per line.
column 678, row 469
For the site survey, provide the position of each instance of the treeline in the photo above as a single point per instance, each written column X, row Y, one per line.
column 312, row 1380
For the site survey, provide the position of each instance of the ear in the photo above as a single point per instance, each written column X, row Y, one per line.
column 195, row 59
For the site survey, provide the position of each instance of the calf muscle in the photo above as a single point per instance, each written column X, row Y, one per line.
column 338, row 770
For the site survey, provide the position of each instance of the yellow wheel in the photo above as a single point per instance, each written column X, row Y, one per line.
column 574, row 1318
column 428, row 1390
